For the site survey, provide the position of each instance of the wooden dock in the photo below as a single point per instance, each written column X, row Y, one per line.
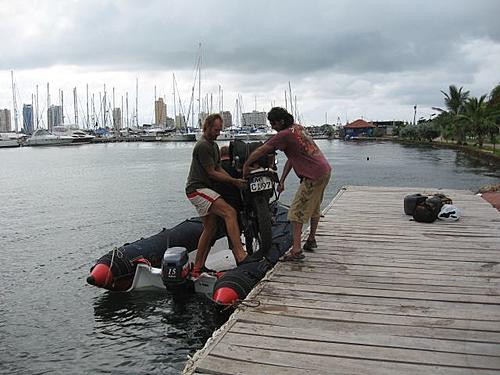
column 381, row 295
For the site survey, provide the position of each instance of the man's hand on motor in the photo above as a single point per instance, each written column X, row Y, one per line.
column 280, row 187
column 246, row 170
column 240, row 183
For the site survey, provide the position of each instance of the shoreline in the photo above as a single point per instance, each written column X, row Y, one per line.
column 479, row 153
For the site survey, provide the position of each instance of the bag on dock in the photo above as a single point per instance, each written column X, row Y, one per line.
column 444, row 199
column 449, row 212
column 411, row 201
column 428, row 210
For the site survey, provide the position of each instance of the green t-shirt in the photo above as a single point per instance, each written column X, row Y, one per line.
column 205, row 154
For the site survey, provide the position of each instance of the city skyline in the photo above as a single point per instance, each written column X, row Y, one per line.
column 375, row 60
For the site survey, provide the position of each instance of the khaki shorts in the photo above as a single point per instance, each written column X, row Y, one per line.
column 307, row 201
column 202, row 200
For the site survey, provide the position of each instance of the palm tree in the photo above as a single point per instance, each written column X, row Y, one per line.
column 477, row 115
column 494, row 107
column 454, row 102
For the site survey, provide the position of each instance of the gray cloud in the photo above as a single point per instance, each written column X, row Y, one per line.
column 264, row 36
column 393, row 51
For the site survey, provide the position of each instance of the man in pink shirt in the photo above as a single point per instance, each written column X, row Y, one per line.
column 311, row 167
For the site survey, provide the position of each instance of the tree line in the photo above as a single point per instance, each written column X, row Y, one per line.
column 463, row 119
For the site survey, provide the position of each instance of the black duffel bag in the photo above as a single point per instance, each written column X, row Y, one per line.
column 428, row 210
column 411, row 201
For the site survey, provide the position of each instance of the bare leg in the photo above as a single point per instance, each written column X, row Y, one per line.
column 312, row 229
column 297, row 234
column 228, row 213
column 209, row 227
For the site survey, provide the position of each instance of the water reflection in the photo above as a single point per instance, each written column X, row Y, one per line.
column 160, row 326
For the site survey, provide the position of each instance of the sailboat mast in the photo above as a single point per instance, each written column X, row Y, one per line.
column 32, row 111
column 14, row 104
column 61, row 101
column 126, row 104
column 87, row 124
column 291, row 97
column 94, row 122
column 75, row 105
column 137, row 102
column 175, row 108
column 105, row 108
column 37, row 113
column 199, row 86
column 48, row 105
column 121, row 115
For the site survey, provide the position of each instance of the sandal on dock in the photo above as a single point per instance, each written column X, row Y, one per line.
column 293, row 256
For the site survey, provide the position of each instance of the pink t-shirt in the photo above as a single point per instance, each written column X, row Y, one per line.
column 306, row 157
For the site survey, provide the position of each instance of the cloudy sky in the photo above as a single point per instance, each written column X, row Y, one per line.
column 344, row 59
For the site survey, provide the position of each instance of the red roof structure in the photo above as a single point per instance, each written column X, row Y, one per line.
column 359, row 124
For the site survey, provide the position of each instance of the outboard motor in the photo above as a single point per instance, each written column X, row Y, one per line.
column 175, row 268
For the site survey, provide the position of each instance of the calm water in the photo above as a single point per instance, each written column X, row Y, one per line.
column 62, row 208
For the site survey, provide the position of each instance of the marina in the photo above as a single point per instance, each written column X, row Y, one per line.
column 398, row 297
column 64, row 207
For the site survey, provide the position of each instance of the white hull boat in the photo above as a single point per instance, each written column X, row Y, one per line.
column 42, row 137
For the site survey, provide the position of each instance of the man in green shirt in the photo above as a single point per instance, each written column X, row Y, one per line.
column 205, row 169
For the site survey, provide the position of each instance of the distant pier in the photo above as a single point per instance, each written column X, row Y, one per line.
column 381, row 295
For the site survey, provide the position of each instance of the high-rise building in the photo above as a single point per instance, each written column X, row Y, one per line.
column 28, row 118
column 55, row 118
column 180, row 122
column 117, row 118
column 160, row 112
column 254, row 120
column 227, row 119
column 201, row 118
column 170, row 122
column 4, row 120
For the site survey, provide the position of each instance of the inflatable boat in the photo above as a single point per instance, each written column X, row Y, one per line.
column 164, row 261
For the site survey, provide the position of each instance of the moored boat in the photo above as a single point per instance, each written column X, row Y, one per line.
column 139, row 264
column 42, row 137
column 7, row 140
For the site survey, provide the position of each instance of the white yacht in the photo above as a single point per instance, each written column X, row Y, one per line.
column 78, row 135
column 7, row 140
column 42, row 137
column 178, row 137
column 223, row 136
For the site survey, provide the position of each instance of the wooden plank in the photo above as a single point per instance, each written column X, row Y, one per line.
column 346, row 267
column 387, row 341
column 355, row 291
column 395, row 278
column 351, row 326
column 491, row 317
column 480, row 311
column 338, row 266
column 333, row 364
column 219, row 365
column 403, row 261
column 370, row 352
column 377, row 318
column 347, row 283
column 307, row 268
